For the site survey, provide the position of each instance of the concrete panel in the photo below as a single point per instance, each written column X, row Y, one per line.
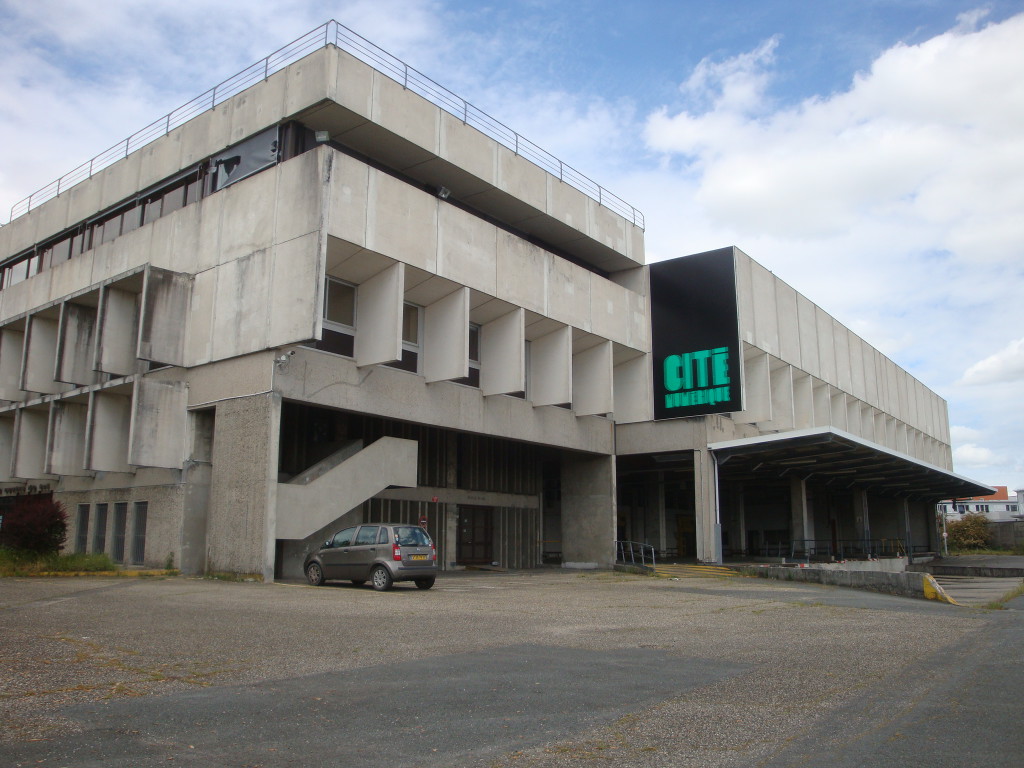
column 467, row 148
column 639, row 327
column 29, row 461
column 165, row 302
column 245, row 225
column 803, row 400
column 76, row 344
column 300, row 195
column 203, row 135
column 84, row 199
column 109, row 423
column 522, row 179
column 12, row 347
column 871, row 356
column 789, row 324
column 379, row 317
column 211, row 211
column 609, row 310
column 522, row 272
column 401, row 221
column 826, row 346
column 783, row 415
column 6, row 448
column 837, row 407
column 297, row 275
column 569, row 294
column 632, row 393
column 257, row 107
column 41, row 357
column 183, row 228
column 302, row 510
column 309, row 80
column 551, row 368
column 347, row 204
column 120, row 180
column 405, row 113
column 592, row 380
column 158, row 424
column 503, row 354
column 240, row 320
column 607, row 227
column 467, row 249
column 354, row 84
column 446, row 337
column 744, row 296
column 159, row 159
column 567, row 204
column 588, row 511
column 118, row 332
column 766, row 322
column 757, row 390
column 51, row 218
column 844, row 371
column 857, row 384
column 66, row 452
column 822, row 404
column 808, row 330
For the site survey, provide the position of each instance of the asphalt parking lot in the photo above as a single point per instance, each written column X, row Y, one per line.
column 544, row 668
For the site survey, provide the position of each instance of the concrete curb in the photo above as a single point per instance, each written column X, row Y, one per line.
column 917, row 585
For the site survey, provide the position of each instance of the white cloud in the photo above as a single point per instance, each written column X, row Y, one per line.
column 1006, row 365
column 972, row 455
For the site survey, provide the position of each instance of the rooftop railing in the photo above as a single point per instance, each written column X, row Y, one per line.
column 333, row 33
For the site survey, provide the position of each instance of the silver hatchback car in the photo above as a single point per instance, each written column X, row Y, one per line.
column 381, row 553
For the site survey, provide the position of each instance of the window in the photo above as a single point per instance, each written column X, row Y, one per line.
column 367, row 535
column 99, row 535
column 120, row 527
column 139, row 532
column 981, row 507
column 410, row 360
column 82, row 535
column 343, row 538
column 961, row 508
column 1011, row 507
column 339, row 326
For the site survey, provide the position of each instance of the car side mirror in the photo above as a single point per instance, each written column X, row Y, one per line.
column 327, row 544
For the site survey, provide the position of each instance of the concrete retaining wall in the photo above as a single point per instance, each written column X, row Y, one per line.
column 920, row 585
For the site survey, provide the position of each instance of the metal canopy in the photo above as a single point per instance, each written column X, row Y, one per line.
column 842, row 461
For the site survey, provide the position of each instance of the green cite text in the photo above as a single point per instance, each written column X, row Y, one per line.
column 697, row 378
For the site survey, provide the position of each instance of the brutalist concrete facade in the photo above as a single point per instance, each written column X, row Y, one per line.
column 327, row 300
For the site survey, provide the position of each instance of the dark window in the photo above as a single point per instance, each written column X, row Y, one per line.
column 338, row 333
column 82, row 535
column 410, row 360
column 473, row 379
column 120, row 527
column 139, row 532
column 99, row 535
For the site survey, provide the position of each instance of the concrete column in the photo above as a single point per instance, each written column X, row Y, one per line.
column 659, row 497
column 860, row 513
column 739, row 518
column 705, row 505
column 802, row 523
column 905, row 525
column 588, row 511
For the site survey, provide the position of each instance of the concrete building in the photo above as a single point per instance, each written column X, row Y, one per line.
column 331, row 291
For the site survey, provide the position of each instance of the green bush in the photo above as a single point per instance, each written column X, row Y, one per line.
column 22, row 563
column 36, row 524
column 969, row 532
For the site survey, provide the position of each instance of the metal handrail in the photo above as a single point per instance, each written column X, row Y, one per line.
column 333, row 33
column 631, row 551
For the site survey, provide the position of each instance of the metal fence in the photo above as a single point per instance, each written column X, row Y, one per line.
column 333, row 33
column 634, row 553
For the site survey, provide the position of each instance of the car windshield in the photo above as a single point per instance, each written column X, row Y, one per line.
column 411, row 536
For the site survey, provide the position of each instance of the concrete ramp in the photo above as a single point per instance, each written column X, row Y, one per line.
column 305, row 508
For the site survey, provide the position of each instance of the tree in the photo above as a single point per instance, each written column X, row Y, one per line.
column 34, row 524
column 969, row 532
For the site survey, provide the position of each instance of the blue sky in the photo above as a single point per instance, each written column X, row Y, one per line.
column 870, row 153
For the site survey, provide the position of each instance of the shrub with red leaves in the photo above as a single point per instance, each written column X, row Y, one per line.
column 34, row 524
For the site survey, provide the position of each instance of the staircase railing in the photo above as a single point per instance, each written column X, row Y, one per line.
column 634, row 553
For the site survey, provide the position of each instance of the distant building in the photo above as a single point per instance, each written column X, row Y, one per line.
column 997, row 507
column 329, row 292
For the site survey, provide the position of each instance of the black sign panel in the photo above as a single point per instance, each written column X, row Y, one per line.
column 695, row 325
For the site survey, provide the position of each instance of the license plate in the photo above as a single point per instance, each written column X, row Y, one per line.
column 417, row 557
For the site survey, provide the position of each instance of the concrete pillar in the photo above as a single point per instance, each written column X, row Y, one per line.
column 905, row 526
column 588, row 511
column 861, row 515
column 802, row 524
column 705, row 505
column 738, row 539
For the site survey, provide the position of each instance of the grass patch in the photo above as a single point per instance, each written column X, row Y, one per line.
column 1019, row 550
column 14, row 563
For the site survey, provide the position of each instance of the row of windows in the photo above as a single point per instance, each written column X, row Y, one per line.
column 94, row 519
column 233, row 164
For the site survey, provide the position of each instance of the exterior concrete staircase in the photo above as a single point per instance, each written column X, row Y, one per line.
column 321, row 495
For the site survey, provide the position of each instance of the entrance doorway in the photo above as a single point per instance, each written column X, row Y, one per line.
column 475, row 545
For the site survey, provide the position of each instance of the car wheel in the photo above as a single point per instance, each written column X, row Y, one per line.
column 358, row 582
column 382, row 580
column 315, row 574
column 425, row 583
